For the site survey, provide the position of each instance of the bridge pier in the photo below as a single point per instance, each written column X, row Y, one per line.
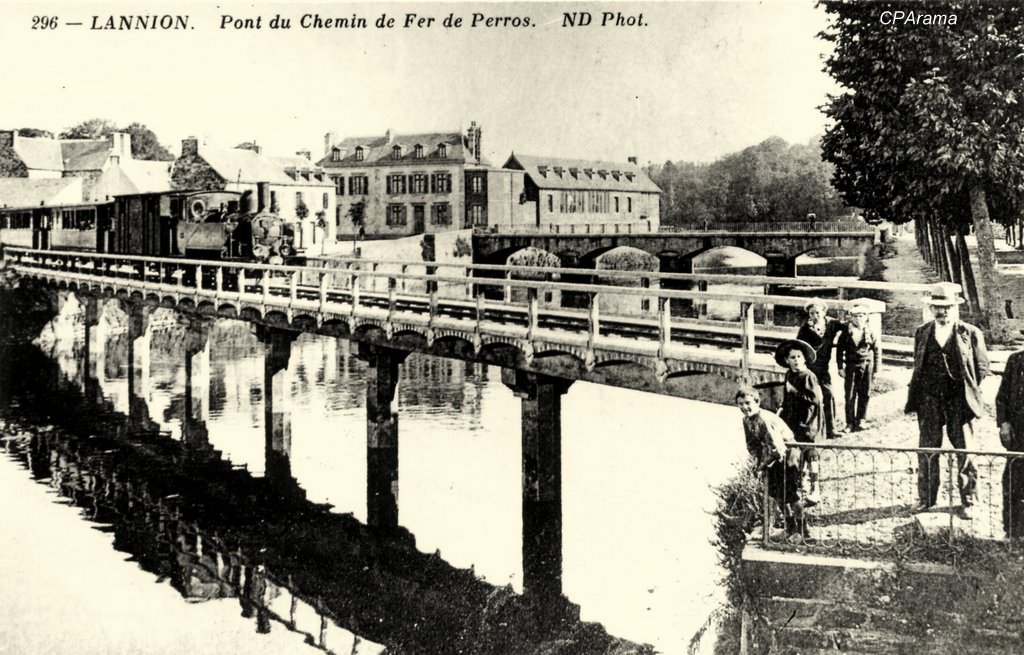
column 138, row 352
column 277, row 418
column 197, row 396
column 381, row 435
column 91, row 312
column 780, row 266
column 541, row 430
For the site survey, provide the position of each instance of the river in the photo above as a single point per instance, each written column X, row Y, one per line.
column 637, row 469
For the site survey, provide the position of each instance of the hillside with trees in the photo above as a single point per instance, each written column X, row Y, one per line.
column 772, row 181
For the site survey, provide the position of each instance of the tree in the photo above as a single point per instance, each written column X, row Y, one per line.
column 930, row 126
column 145, row 144
column 357, row 214
column 34, row 132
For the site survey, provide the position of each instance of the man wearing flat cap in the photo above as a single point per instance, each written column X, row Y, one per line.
column 950, row 362
column 821, row 332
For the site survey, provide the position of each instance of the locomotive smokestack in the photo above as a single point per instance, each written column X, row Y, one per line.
column 263, row 196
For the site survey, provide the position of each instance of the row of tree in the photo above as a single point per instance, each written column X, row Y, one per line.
column 145, row 144
column 929, row 126
column 769, row 182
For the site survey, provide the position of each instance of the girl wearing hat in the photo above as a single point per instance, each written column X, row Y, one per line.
column 858, row 358
column 802, row 408
column 821, row 332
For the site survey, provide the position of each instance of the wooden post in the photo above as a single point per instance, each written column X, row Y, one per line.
column 747, row 332
column 664, row 325
column 593, row 320
column 533, row 311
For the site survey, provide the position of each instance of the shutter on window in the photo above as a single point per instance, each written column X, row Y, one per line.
column 389, row 184
column 433, row 183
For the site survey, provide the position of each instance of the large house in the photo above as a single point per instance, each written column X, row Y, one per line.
column 299, row 190
column 105, row 167
column 570, row 192
column 406, row 184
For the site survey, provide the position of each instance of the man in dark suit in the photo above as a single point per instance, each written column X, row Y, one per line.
column 1010, row 419
column 950, row 362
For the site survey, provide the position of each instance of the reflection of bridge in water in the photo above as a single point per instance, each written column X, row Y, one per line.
column 216, row 531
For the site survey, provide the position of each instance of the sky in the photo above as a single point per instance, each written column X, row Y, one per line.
column 695, row 81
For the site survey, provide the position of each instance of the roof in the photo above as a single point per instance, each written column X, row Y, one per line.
column 26, row 192
column 84, row 154
column 44, row 153
column 380, row 149
column 138, row 176
column 582, row 174
column 249, row 167
column 39, row 153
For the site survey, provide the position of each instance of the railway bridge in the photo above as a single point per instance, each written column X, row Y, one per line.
column 386, row 312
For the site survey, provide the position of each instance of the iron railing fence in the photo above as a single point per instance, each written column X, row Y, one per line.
column 869, row 500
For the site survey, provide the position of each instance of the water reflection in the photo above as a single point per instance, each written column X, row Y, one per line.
column 636, row 470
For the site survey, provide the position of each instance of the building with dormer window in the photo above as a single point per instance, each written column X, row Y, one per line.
column 417, row 183
column 571, row 191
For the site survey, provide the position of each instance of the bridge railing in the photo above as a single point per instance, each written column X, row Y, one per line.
column 772, row 227
column 617, row 227
column 636, row 315
column 868, row 499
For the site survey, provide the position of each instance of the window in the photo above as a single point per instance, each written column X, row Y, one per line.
column 359, row 153
column 339, row 185
column 442, row 183
column 358, row 185
column 551, row 203
column 442, row 151
column 335, row 154
column 273, row 202
column 396, row 215
column 477, row 216
column 419, row 151
column 298, row 199
column 419, row 183
column 396, row 152
column 629, row 205
column 440, row 214
column 396, row 183
column 326, row 201
column 616, row 204
column 476, row 183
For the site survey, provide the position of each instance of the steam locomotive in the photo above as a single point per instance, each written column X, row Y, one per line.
column 194, row 224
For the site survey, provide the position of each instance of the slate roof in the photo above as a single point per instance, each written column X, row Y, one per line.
column 25, row 192
column 43, row 153
column 380, row 149
column 141, row 176
column 248, row 167
column 582, row 174
column 39, row 153
column 84, row 154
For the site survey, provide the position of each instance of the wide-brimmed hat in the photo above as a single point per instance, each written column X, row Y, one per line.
column 944, row 294
column 858, row 306
column 786, row 346
column 820, row 304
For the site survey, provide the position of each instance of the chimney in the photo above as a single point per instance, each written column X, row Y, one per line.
column 121, row 145
column 304, row 153
column 263, row 196
column 258, row 149
column 189, row 146
column 329, row 140
column 632, row 160
column 476, row 140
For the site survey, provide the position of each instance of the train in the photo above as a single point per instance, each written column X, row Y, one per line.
column 226, row 225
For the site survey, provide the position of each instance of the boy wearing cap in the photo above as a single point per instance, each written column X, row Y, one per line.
column 858, row 357
column 802, row 408
column 821, row 332
column 950, row 361
column 766, row 435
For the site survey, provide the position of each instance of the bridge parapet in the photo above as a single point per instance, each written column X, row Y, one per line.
column 653, row 351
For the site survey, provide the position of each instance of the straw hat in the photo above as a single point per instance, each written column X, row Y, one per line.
column 820, row 304
column 786, row 346
column 944, row 294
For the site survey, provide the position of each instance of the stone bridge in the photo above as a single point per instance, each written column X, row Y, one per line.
column 677, row 250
